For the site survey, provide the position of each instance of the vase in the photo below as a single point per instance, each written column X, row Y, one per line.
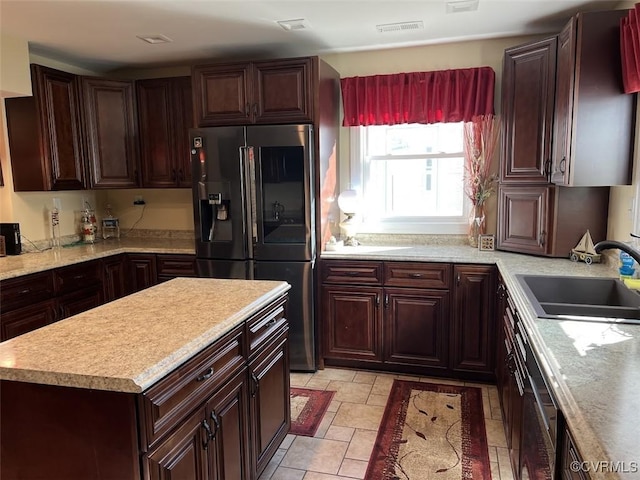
column 477, row 224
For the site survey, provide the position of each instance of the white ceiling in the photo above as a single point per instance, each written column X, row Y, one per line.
column 101, row 34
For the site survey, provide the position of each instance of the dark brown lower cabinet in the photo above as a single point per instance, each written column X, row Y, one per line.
column 221, row 415
column 142, row 271
column 416, row 327
column 511, row 375
column 473, row 329
column 352, row 323
column 26, row 319
column 407, row 319
column 182, row 456
column 80, row 301
column 228, row 447
column 115, row 277
column 269, row 402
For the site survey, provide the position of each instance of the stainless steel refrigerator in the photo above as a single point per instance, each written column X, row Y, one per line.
column 254, row 213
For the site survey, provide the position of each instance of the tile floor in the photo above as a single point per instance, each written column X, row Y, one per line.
column 341, row 448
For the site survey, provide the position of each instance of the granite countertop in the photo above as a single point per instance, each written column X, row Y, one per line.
column 594, row 368
column 129, row 344
column 17, row 265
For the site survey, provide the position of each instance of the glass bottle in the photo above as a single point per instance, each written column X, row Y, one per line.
column 110, row 225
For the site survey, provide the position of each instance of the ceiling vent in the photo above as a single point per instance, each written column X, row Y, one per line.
column 153, row 39
column 462, row 6
column 400, row 27
column 295, row 24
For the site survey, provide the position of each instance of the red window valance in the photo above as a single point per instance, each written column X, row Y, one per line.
column 630, row 50
column 418, row 97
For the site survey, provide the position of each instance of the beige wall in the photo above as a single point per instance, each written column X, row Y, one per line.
column 14, row 67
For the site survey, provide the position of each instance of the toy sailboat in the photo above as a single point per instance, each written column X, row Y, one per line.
column 584, row 251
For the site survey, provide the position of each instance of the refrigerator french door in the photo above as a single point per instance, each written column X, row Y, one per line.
column 254, row 215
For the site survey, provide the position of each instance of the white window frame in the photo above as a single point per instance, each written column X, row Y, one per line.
column 405, row 225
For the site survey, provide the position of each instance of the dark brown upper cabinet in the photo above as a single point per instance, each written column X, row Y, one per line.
column 276, row 91
column 111, row 129
column 528, row 89
column 45, row 134
column 594, row 120
column 165, row 114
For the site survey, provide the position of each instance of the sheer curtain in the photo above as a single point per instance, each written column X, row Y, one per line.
column 418, row 97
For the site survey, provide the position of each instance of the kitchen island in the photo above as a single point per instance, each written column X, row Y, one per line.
column 187, row 379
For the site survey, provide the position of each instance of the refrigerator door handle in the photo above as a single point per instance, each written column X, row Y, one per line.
column 249, row 166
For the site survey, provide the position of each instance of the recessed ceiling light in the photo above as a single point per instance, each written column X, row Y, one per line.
column 462, row 6
column 400, row 27
column 153, row 39
column 295, row 24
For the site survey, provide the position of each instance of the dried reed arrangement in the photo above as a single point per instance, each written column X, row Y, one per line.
column 480, row 141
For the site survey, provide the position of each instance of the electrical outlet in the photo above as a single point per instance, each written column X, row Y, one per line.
column 57, row 204
column 138, row 200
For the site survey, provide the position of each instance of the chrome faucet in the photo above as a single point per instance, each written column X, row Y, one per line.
column 607, row 244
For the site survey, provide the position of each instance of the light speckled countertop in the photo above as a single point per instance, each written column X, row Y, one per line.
column 129, row 344
column 17, row 265
column 594, row 367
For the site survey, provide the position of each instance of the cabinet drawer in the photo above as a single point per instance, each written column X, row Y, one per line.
column 417, row 275
column 74, row 277
column 165, row 404
column 264, row 326
column 366, row 273
column 23, row 291
column 176, row 265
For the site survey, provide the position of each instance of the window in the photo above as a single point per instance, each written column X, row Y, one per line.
column 410, row 177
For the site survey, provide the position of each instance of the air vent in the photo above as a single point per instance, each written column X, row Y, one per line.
column 295, row 24
column 153, row 39
column 400, row 27
column 462, row 6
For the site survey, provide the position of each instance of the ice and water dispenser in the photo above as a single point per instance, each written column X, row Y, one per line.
column 215, row 212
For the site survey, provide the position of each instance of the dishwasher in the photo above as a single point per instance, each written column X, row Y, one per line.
column 541, row 419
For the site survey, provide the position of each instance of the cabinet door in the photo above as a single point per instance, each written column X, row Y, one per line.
column 156, row 136
column 528, row 88
column 525, row 218
column 564, row 104
column 594, row 120
column 182, row 121
column 270, row 405
column 229, row 441
column 142, row 271
column 353, row 322
column 80, row 301
column 221, row 94
column 115, row 278
column 45, row 134
column 416, row 326
column 282, row 91
column 111, row 132
column 165, row 114
column 172, row 266
column 474, row 332
column 26, row 319
column 184, row 454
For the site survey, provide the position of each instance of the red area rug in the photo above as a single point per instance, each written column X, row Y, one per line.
column 307, row 409
column 431, row 431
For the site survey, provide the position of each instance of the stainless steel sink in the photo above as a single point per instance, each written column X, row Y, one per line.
column 581, row 298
